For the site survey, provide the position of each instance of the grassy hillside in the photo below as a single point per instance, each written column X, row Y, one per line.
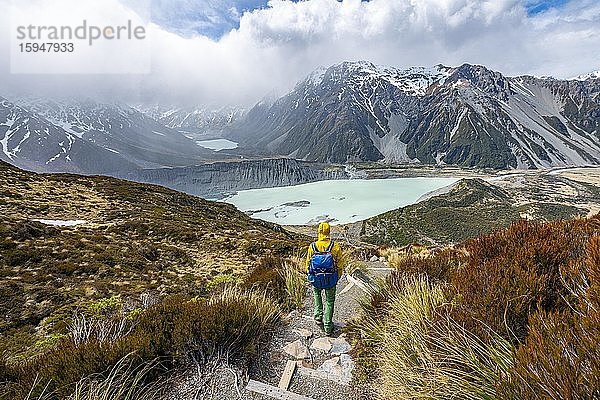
column 511, row 315
column 139, row 241
column 471, row 208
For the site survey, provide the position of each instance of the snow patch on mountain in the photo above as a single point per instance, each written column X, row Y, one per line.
column 7, row 135
column 389, row 145
column 60, row 222
column 194, row 122
column 316, row 77
column 414, row 80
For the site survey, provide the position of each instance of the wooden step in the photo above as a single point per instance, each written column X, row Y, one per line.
column 286, row 378
column 273, row 391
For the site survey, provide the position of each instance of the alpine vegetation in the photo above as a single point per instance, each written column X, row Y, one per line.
column 509, row 315
column 141, row 289
column 174, row 331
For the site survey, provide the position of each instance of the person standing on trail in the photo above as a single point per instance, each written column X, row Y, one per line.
column 324, row 266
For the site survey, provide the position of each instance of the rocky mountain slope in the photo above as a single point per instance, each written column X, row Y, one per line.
column 120, row 129
column 468, row 115
column 119, row 239
column 91, row 138
column 589, row 75
column 85, row 137
column 31, row 141
column 217, row 178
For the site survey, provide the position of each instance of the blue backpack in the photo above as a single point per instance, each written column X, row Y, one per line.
column 322, row 272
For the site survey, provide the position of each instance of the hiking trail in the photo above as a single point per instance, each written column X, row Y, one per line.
column 301, row 362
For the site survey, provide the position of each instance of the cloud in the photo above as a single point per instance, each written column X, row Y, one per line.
column 211, row 18
column 277, row 45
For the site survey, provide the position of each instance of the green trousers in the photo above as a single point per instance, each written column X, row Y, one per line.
column 327, row 314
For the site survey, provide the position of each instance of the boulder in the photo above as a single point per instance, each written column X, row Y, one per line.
column 297, row 350
column 323, row 344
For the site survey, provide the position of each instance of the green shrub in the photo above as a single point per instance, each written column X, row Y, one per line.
column 105, row 307
column 220, row 281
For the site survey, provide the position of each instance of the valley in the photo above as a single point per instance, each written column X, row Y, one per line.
column 132, row 233
column 300, row 200
column 386, row 209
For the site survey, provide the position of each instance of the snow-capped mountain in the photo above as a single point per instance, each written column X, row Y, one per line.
column 119, row 129
column 30, row 141
column 197, row 123
column 467, row 115
column 590, row 75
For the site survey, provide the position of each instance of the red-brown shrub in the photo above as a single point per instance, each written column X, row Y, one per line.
column 514, row 272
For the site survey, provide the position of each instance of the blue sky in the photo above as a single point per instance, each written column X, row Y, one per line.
column 214, row 18
column 536, row 7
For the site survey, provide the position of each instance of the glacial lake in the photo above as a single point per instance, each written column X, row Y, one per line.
column 338, row 201
column 217, row 144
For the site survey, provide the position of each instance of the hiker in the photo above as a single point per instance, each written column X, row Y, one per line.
column 324, row 266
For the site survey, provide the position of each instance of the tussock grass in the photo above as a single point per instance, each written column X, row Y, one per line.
column 122, row 382
column 126, row 380
column 511, row 315
column 284, row 279
column 295, row 280
column 403, row 339
column 420, row 356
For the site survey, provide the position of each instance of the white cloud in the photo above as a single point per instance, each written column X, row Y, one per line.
column 276, row 46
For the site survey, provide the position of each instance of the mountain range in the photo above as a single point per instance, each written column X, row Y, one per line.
column 468, row 115
column 30, row 141
column 194, row 122
column 84, row 136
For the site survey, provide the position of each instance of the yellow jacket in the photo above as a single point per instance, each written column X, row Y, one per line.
column 322, row 243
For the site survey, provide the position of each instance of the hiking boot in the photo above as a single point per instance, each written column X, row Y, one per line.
column 319, row 321
column 329, row 333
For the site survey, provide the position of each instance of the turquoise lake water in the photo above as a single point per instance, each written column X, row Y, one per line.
column 338, row 201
